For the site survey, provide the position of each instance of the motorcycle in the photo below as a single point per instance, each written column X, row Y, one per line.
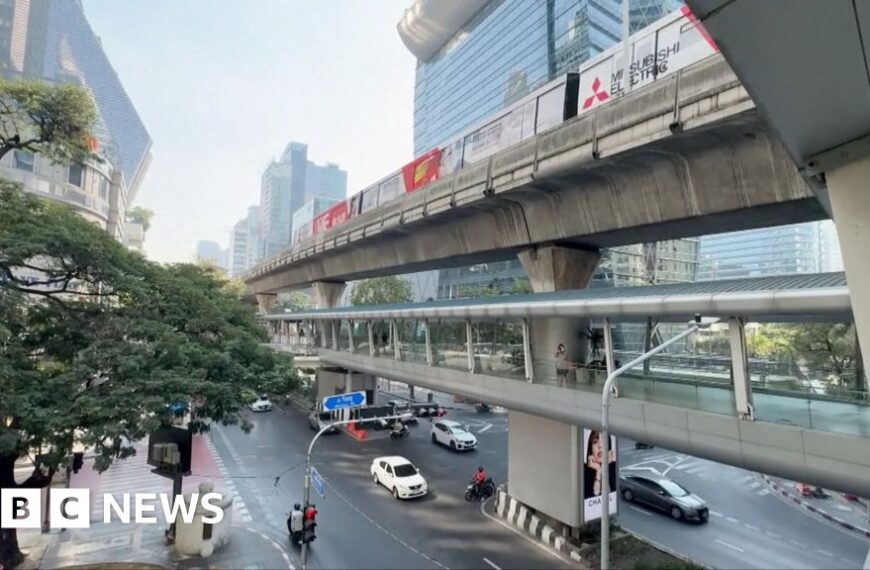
column 401, row 434
column 483, row 408
column 482, row 492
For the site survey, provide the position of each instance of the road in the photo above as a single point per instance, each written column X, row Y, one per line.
column 749, row 527
column 360, row 524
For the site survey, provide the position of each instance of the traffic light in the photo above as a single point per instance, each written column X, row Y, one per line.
column 78, row 461
column 309, row 523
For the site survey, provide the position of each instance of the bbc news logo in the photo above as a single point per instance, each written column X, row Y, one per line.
column 71, row 508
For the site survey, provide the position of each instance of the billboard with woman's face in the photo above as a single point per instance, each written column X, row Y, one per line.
column 593, row 458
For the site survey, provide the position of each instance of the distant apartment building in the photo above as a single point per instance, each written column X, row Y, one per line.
column 287, row 184
column 51, row 40
column 244, row 242
column 211, row 252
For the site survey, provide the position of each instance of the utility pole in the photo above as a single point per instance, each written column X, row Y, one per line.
column 605, row 431
column 306, row 485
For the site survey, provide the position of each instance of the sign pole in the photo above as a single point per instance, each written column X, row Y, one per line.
column 306, row 486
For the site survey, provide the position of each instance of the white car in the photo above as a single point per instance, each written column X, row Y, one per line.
column 263, row 404
column 399, row 476
column 453, row 435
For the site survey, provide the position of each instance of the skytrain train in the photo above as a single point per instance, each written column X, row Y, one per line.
column 670, row 44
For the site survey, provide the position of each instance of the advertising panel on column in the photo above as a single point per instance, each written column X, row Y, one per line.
column 592, row 462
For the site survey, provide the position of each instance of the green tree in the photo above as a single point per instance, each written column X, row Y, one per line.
column 296, row 301
column 381, row 291
column 56, row 121
column 96, row 341
column 521, row 286
column 140, row 215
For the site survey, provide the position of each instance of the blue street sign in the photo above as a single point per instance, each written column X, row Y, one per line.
column 342, row 401
column 317, row 483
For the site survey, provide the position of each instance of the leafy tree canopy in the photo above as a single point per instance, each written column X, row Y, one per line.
column 56, row 121
column 96, row 341
column 295, row 301
column 381, row 291
column 140, row 215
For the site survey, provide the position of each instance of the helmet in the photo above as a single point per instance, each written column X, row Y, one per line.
column 296, row 507
column 480, row 468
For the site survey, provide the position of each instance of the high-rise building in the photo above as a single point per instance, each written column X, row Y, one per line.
column 475, row 57
column 287, row 184
column 211, row 252
column 51, row 40
column 798, row 248
column 244, row 242
column 830, row 256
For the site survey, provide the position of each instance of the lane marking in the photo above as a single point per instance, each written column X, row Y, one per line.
column 678, row 462
column 731, row 546
column 750, row 527
column 716, row 513
column 283, row 552
column 796, row 543
column 732, row 520
column 383, row 529
column 824, row 553
column 641, row 511
column 486, row 427
column 772, row 534
column 490, row 562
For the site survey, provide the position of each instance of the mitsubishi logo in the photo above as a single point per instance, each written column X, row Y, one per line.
column 597, row 93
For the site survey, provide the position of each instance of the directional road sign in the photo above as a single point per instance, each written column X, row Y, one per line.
column 342, row 401
column 317, row 483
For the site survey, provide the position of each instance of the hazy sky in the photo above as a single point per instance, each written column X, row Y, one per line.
column 223, row 85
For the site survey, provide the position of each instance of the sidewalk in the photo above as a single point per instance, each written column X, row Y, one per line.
column 144, row 544
column 849, row 515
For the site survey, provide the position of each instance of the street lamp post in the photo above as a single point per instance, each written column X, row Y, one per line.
column 306, row 486
column 605, row 425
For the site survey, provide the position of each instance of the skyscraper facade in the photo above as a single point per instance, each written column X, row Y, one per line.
column 244, row 242
column 287, row 184
column 476, row 57
column 798, row 248
column 51, row 40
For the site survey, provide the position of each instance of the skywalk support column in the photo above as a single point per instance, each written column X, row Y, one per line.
column 545, row 467
column 849, row 191
column 327, row 294
column 740, row 369
column 266, row 302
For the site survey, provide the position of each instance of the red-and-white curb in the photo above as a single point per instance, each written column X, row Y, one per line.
column 814, row 509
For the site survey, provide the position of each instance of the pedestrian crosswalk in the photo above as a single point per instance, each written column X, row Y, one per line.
column 133, row 475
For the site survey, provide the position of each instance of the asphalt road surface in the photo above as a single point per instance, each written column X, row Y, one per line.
column 749, row 526
column 360, row 524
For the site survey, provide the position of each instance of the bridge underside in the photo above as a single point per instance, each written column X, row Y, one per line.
column 834, row 460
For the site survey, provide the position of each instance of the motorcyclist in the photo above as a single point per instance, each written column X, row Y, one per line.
column 479, row 479
column 294, row 522
column 398, row 427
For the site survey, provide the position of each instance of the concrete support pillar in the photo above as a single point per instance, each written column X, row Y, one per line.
column 350, row 336
column 557, row 268
column 396, row 350
column 327, row 294
column 470, row 345
column 266, row 302
column 545, row 466
column 430, row 360
column 849, row 191
column 371, row 339
column 740, row 369
column 527, row 352
column 334, row 333
column 549, row 478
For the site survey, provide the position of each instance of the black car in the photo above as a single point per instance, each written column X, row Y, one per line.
column 319, row 420
column 665, row 495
